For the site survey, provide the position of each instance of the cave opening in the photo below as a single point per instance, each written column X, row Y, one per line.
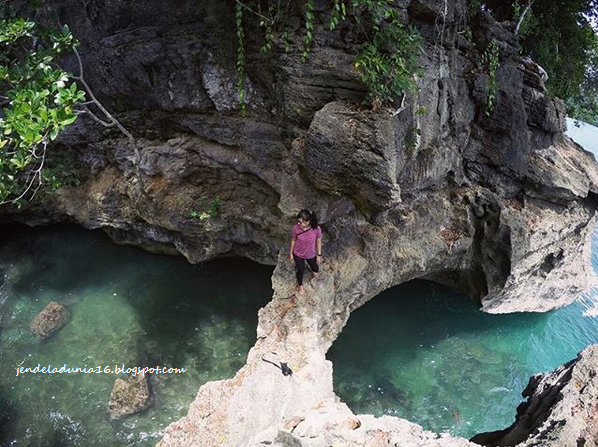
column 426, row 353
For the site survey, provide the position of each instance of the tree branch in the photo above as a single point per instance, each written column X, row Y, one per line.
column 401, row 107
column 520, row 21
column 96, row 118
column 251, row 10
column 32, row 177
column 94, row 100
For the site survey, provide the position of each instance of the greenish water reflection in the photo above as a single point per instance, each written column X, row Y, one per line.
column 128, row 307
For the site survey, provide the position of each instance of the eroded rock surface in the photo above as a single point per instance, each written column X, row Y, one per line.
column 51, row 319
column 498, row 205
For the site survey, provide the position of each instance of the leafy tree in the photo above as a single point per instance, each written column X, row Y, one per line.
column 558, row 34
column 37, row 100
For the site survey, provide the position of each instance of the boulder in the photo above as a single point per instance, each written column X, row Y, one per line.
column 54, row 317
column 129, row 396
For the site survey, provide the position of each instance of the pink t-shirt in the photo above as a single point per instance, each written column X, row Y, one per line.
column 305, row 241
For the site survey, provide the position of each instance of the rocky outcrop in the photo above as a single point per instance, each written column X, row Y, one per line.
column 51, row 319
column 561, row 408
column 129, row 396
column 499, row 204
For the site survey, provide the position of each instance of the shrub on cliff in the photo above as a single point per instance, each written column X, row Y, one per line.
column 387, row 63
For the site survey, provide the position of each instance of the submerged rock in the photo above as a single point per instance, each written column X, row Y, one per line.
column 129, row 396
column 53, row 318
column 561, row 408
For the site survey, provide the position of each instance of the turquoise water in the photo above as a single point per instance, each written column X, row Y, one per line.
column 128, row 307
column 425, row 353
column 418, row 351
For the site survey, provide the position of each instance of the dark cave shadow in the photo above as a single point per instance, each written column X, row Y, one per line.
column 43, row 247
column 170, row 300
column 168, row 324
column 418, row 298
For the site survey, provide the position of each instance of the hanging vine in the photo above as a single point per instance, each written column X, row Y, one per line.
column 240, row 55
column 490, row 62
column 309, row 30
column 388, row 60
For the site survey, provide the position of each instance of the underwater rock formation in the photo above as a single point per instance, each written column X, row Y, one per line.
column 51, row 319
column 499, row 205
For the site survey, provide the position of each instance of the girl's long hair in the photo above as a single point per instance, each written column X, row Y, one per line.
column 311, row 217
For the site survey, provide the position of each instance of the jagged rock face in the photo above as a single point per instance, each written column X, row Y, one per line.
column 499, row 205
column 561, row 408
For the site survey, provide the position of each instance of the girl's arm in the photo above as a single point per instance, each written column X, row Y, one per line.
column 318, row 248
column 292, row 247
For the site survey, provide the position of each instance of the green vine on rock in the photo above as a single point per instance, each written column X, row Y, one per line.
column 490, row 62
column 339, row 12
column 240, row 55
column 309, row 30
column 388, row 62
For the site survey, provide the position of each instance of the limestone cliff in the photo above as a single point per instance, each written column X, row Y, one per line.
column 499, row 205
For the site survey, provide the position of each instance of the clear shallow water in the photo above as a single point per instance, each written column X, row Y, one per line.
column 418, row 351
column 128, row 307
column 425, row 353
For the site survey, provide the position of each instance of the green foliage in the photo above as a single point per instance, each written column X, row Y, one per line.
column 474, row 5
column 388, row 61
column 63, row 168
column 38, row 102
column 559, row 36
column 285, row 41
column 240, row 55
column 212, row 212
column 339, row 12
column 200, row 215
column 309, row 30
column 411, row 139
column 423, row 110
column 584, row 105
column 215, row 206
column 490, row 62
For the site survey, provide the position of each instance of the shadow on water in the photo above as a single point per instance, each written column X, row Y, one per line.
column 208, row 302
column 426, row 313
column 127, row 307
column 46, row 251
column 8, row 419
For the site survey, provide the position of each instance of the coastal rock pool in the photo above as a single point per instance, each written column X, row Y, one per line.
column 425, row 353
column 418, row 351
column 128, row 307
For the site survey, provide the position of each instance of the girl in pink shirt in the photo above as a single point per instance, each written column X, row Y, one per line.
column 306, row 245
